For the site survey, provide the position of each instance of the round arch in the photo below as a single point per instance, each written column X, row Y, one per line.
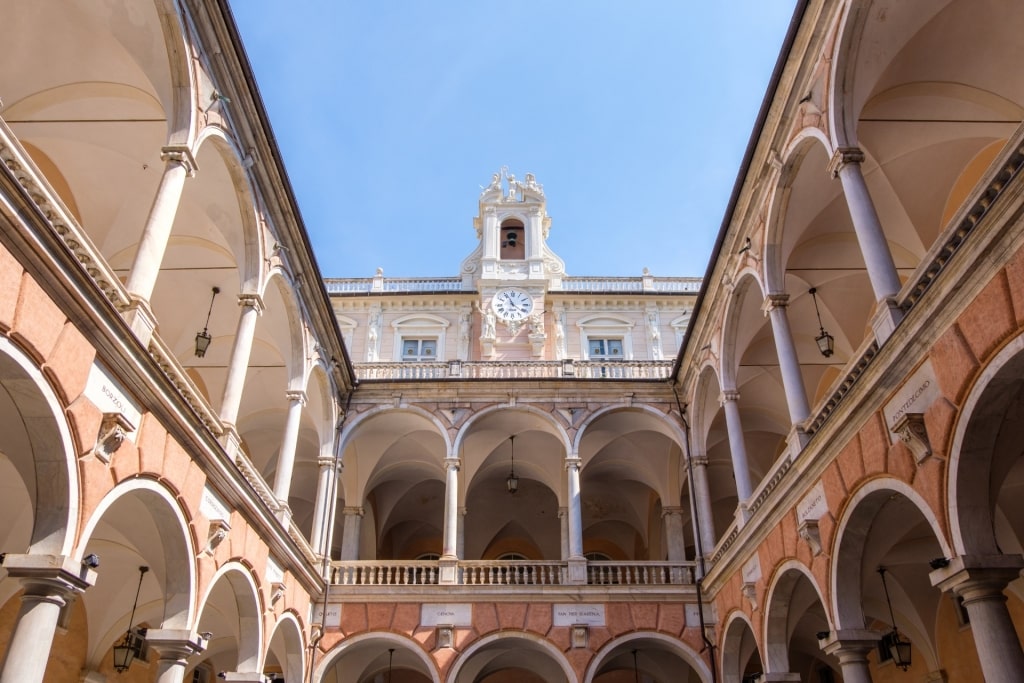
column 975, row 440
column 36, row 443
column 851, row 540
column 248, row 631
column 527, row 642
column 739, row 645
column 285, row 648
column 667, row 643
column 779, row 625
column 556, row 429
column 358, row 646
column 138, row 523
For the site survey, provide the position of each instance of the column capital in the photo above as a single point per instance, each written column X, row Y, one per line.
column 730, row 396
column 699, row 460
column 296, row 396
column 671, row 510
column 175, row 644
column 977, row 577
column 842, row 157
column 775, row 300
column 251, row 300
column 452, row 464
column 573, row 463
column 849, row 643
column 242, row 677
column 355, row 511
column 180, row 154
column 57, row 576
column 328, row 461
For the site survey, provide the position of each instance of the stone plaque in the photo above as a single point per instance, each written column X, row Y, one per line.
column 333, row 617
column 813, row 506
column 692, row 612
column 109, row 397
column 568, row 615
column 458, row 614
column 213, row 507
column 274, row 572
column 915, row 396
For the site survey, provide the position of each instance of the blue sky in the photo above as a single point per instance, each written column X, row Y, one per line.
column 633, row 116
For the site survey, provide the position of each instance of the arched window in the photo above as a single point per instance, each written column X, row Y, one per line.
column 512, row 240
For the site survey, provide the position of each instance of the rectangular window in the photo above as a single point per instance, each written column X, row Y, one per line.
column 419, row 349
column 604, row 349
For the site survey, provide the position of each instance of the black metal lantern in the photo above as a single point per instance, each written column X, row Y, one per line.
column 824, row 340
column 203, row 338
column 512, row 482
column 898, row 648
column 125, row 651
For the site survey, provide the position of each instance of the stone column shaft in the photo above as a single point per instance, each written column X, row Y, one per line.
column 563, row 522
column 178, row 165
column 980, row 581
column 851, row 648
column 289, row 441
column 350, row 533
column 460, row 546
column 252, row 308
column 737, row 446
column 704, row 522
column 173, row 647
column 845, row 165
column 451, row 509
column 673, row 517
column 327, row 475
column 575, row 511
column 789, row 363
column 49, row 583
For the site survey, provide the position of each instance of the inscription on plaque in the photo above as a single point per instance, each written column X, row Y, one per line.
column 332, row 618
column 814, row 505
column 568, row 615
column 446, row 615
column 109, row 397
column 915, row 396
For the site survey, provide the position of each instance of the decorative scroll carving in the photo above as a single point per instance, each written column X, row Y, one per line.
column 912, row 431
column 113, row 431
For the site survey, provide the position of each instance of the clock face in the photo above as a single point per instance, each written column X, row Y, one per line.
column 512, row 304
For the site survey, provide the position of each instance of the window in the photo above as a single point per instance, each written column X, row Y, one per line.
column 604, row 349
column 419, row 349
column 511, row 240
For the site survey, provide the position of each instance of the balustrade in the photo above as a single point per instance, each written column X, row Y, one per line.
column 510, row 573
column 434, row 370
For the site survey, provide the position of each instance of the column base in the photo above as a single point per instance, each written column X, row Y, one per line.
column 141, row 319
column 449, row 571
column 886, row 318
column 577, row 571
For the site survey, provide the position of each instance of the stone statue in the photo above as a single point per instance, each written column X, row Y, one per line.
column 490, row 332
column 537, row 324
column 373, row 334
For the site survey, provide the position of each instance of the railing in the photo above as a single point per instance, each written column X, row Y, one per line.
column 682, row 285
column 526, row 369
column 639, row 573
column 366, row 285
column 509, row 573
column 64, row 224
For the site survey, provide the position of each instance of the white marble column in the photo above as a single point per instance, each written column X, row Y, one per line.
column 980, row 581
column 851, row 648
column 173, row 648
column 178, row 165
column 289, row 441
column 49, row 583
column 572, row 466
column 451, row 509
column 327, row 475
column 460, row 546
column 489, row 234
column 704, row 523
column 737, row 446
column 789, row 364
column 563, row 522
column 252, row 308
column 845, row 165
column 350, row 533
column 673, row 519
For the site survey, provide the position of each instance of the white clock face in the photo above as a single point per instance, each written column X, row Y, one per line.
column 512, row 304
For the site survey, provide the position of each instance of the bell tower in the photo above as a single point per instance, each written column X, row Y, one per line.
column 512, row 268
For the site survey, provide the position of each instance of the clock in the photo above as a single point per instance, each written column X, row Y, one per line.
column 512, row 304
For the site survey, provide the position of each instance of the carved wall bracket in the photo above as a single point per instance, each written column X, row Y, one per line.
column 114, row 430
column 911, row 430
